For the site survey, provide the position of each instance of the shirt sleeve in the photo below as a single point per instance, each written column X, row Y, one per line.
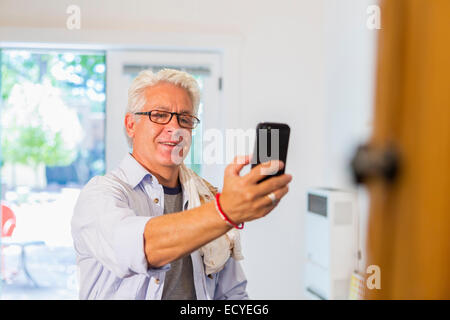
column 231, row 282
column 105, row 228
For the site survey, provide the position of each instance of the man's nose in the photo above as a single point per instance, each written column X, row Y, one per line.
column 173, row 123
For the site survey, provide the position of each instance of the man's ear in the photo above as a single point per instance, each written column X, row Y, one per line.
column 130, row 125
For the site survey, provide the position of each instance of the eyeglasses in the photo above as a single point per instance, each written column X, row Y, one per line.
column 164, row 117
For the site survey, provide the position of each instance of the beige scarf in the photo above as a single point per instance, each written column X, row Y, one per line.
column 217, row 252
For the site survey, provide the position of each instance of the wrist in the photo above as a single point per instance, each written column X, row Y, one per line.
column 224, row 203
column 225, row 216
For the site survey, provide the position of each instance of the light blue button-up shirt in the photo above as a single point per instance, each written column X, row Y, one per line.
column 108, row 234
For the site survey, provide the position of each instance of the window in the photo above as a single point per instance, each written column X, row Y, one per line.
column 52, row 143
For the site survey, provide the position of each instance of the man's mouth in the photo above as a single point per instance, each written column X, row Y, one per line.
column 169, row 143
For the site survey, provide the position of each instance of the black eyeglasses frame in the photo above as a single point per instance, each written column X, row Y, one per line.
column 148, row 113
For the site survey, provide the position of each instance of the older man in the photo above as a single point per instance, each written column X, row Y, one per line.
column 137, row 230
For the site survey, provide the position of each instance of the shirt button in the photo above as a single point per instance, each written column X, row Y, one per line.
column 157, row 281
column 156, row 200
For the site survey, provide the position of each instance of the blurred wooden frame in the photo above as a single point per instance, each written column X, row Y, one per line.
column 409, row 223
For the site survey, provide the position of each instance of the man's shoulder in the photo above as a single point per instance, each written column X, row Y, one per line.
column 112, row 180
column 100, row 191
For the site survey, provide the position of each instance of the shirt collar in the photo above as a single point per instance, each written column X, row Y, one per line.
column 134, row 171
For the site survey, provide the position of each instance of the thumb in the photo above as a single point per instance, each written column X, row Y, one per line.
column 238, row 163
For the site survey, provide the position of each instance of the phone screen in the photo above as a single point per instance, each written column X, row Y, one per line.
column 271, row 143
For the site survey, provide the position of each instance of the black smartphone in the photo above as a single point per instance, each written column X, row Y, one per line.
column 272, row 140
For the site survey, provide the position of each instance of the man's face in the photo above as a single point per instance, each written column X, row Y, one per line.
column 149, row 137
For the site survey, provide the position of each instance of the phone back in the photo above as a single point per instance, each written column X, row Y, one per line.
column 272, row 140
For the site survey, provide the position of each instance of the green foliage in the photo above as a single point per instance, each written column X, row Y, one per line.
column 30, row 146
column 20, row 66
column 77, row 76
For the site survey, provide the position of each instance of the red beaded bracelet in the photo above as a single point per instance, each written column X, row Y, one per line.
column 224, row 216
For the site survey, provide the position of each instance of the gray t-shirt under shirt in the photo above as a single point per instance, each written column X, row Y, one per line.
column 179, row 281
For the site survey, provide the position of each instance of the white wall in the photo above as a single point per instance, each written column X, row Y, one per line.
column 296, row 64
column 349, row 80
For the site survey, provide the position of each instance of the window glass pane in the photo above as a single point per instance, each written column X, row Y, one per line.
column 52, row 143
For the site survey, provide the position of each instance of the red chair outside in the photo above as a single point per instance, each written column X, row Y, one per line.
column 8, row 221
column 8, row 224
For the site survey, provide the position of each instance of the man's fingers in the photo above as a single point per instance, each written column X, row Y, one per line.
column 264, row 169
column 267, row 203
column 238, row 163
column 272, row 184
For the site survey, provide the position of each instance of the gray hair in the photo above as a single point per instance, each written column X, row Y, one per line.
column 147, row 78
